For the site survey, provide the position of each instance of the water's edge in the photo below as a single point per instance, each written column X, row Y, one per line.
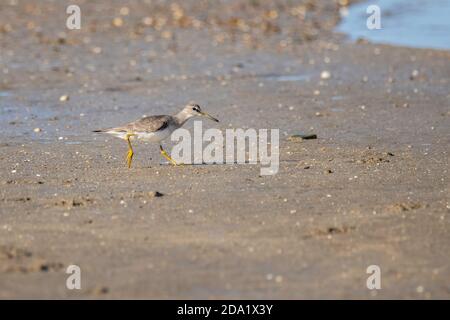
column 409, row 23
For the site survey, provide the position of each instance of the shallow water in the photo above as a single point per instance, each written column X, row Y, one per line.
column 291, row 77
column 411, row 23
column 4, row 94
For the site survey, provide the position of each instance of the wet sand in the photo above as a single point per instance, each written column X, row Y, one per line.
column 372, row 189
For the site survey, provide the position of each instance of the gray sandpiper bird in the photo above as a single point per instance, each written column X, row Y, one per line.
column 155, row 128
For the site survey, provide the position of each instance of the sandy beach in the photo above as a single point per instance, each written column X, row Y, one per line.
column 372, row 189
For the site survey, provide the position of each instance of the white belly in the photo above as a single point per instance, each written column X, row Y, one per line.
column 153, row 136
column 144, row 136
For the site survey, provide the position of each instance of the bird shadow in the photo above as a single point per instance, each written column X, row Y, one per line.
column 223, row 164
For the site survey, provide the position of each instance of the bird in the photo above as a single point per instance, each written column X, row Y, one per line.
column 155, row 129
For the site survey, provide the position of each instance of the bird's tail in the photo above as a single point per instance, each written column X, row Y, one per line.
column 97, row 131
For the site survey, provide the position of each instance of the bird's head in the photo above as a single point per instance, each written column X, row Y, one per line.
column 193, row 109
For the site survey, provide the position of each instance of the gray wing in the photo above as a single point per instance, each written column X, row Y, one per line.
column 149, row 124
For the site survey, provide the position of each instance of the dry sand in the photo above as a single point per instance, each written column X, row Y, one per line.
column 372, row 189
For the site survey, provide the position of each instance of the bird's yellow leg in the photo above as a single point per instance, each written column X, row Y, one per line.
column 166, row 155
column 130, row 149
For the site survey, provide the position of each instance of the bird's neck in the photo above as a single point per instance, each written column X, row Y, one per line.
column 182, row 116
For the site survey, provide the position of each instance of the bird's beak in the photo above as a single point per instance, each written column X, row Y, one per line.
column 209, row 116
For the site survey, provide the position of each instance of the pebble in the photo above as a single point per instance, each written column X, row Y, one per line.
column 325, row 75
column 64, row 98
column 302, row 136
column 147, row 21
column 117, row 22
column 155, row 194
column 37, row 130
column 101, row 290
column 124, row 11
